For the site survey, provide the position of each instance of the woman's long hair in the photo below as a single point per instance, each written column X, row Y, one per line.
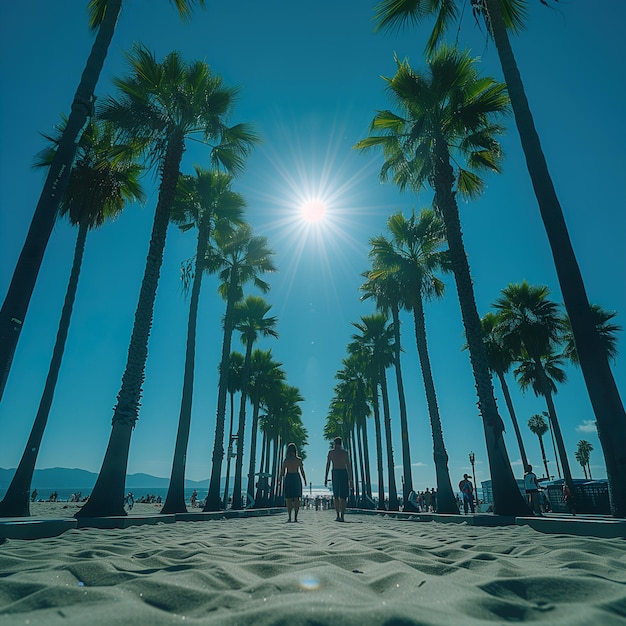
column 292, row 450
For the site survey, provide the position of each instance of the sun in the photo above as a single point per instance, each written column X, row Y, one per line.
column 313, row 211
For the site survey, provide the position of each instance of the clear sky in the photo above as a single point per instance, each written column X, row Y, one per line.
column 310, row 83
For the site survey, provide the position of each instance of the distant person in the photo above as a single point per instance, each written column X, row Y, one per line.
column 531, row 486
column 194, row 499
column 129, row 501
column 569, row 499
column 341, row 477
column 292, row 485
column 33, row 495
column 467, row 489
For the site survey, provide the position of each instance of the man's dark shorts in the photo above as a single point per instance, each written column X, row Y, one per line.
column 340, row 484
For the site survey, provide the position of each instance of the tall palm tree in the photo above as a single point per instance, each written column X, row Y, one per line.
column 103, row 16
column 374, row 340
column 414, row 254
column 235, row 382
column 500, row 16
column 204, row 201
column 500, row 359
column 386, row 291
column 103, row 180
column 583, row 455
column 238, row 260
column 364, row 354
column 539, row 426
column 161, row 104
column 265, row 376
column 528, row 377
column 448, row 115
column 252, row 323
column 281, row 424
column 353, row 391
column 606, row 329
column 532, row 326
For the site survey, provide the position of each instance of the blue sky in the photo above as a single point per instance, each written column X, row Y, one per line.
column 310, row 83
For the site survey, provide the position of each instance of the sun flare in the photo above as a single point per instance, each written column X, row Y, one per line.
column 313, row 211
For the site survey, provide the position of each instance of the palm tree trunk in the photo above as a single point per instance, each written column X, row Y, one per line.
column 213, row 499
column 379, row 446
column 393, row 491
column 518, row 434
column 356, row 462
column 543, row 456
column 507, row 497
column 404, row 427
column 107, row 497
column 16, row 502
column 274, row 486
column 242, row 427
column 584, row 470
column 15, row 306
column 175, row 499
column 251, row 467
column 366, row 459
column 603, row 393
column 259, row 492
column 556, row 429
column 229, row 450
column 446, row 501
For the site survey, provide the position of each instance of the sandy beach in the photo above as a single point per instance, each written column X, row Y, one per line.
column 369, row 570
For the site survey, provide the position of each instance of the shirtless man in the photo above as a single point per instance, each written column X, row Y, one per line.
column 341, row 477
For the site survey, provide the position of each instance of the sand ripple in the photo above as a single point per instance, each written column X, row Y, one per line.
column 370, row 570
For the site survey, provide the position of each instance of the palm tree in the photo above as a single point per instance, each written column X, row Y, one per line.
column 266, row 375
column 500, row 16
column 583, row 454
column 160, row 104
column 385, row 290
column 353, row 392
column 539, row 426
column 103, row 16
column 361, row 348
column 413, row 255
column 500, row 358
column 281, row 424
column 235, row 382
column 531, row 325
column 238, row 259
column 376, row 338
column 251, row 322
column 605, row 329
column 447, row 116
column 104, row 179
column 204, row 201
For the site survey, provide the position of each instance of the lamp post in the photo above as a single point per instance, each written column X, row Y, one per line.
column 472, row 459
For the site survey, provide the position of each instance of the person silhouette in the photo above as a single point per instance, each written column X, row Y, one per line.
column 467, row 489
column 342, row 483
column 292, row 485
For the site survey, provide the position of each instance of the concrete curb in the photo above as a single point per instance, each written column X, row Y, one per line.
column 26, row 528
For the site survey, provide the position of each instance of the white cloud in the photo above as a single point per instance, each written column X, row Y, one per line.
column 588, row 426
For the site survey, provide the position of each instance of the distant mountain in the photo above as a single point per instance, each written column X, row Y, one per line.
column 82, row 480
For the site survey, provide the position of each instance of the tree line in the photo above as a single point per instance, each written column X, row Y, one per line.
column 442, row 135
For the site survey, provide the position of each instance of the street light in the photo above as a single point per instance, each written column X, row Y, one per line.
column 472, row 459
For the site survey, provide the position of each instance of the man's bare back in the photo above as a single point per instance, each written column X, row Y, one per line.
column 339, row 458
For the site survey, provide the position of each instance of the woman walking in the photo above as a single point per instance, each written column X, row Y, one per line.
column 292, row 485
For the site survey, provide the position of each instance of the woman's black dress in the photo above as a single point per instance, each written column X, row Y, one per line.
column 292, row 485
